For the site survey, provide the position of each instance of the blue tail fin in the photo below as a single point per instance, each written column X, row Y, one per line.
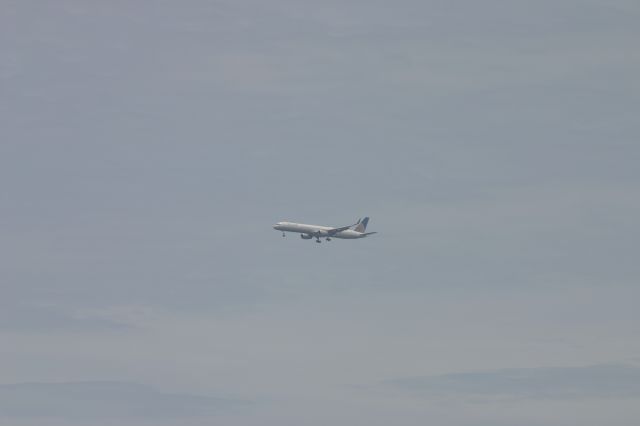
column 361, row 226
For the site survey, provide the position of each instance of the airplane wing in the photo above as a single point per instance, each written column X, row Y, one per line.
column 334, row 231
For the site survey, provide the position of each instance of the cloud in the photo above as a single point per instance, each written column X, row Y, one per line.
column 596, row 381
column 50, row 317
column 102, row 399
column 38, row 318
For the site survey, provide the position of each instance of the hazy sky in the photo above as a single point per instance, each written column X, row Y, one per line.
column 147, row 147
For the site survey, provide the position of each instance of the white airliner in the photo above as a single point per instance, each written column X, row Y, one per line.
column 307, row 232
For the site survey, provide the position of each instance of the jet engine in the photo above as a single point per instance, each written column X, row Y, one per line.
column 306, row 236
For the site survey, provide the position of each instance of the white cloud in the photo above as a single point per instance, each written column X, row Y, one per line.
column 595, row 381
column 102, row 400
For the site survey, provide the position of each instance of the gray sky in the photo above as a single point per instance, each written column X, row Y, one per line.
column 148, row 147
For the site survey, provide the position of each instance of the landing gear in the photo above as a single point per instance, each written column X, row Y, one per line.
column 318, row 240
column 283, row 235
column 328, row 239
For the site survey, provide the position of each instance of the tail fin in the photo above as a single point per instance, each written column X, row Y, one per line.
column 361, row 226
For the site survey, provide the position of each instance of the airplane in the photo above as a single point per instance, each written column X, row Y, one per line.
column 307, row 232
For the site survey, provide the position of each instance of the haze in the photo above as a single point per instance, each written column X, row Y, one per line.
column 148, row 147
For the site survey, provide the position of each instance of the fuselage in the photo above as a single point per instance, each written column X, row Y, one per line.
column 317, row 230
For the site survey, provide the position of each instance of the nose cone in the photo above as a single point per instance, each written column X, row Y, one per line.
column 277, row 226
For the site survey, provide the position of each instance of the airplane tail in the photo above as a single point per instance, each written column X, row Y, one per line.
column 361, row 226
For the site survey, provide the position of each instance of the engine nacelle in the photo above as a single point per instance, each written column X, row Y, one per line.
column 306, row 236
